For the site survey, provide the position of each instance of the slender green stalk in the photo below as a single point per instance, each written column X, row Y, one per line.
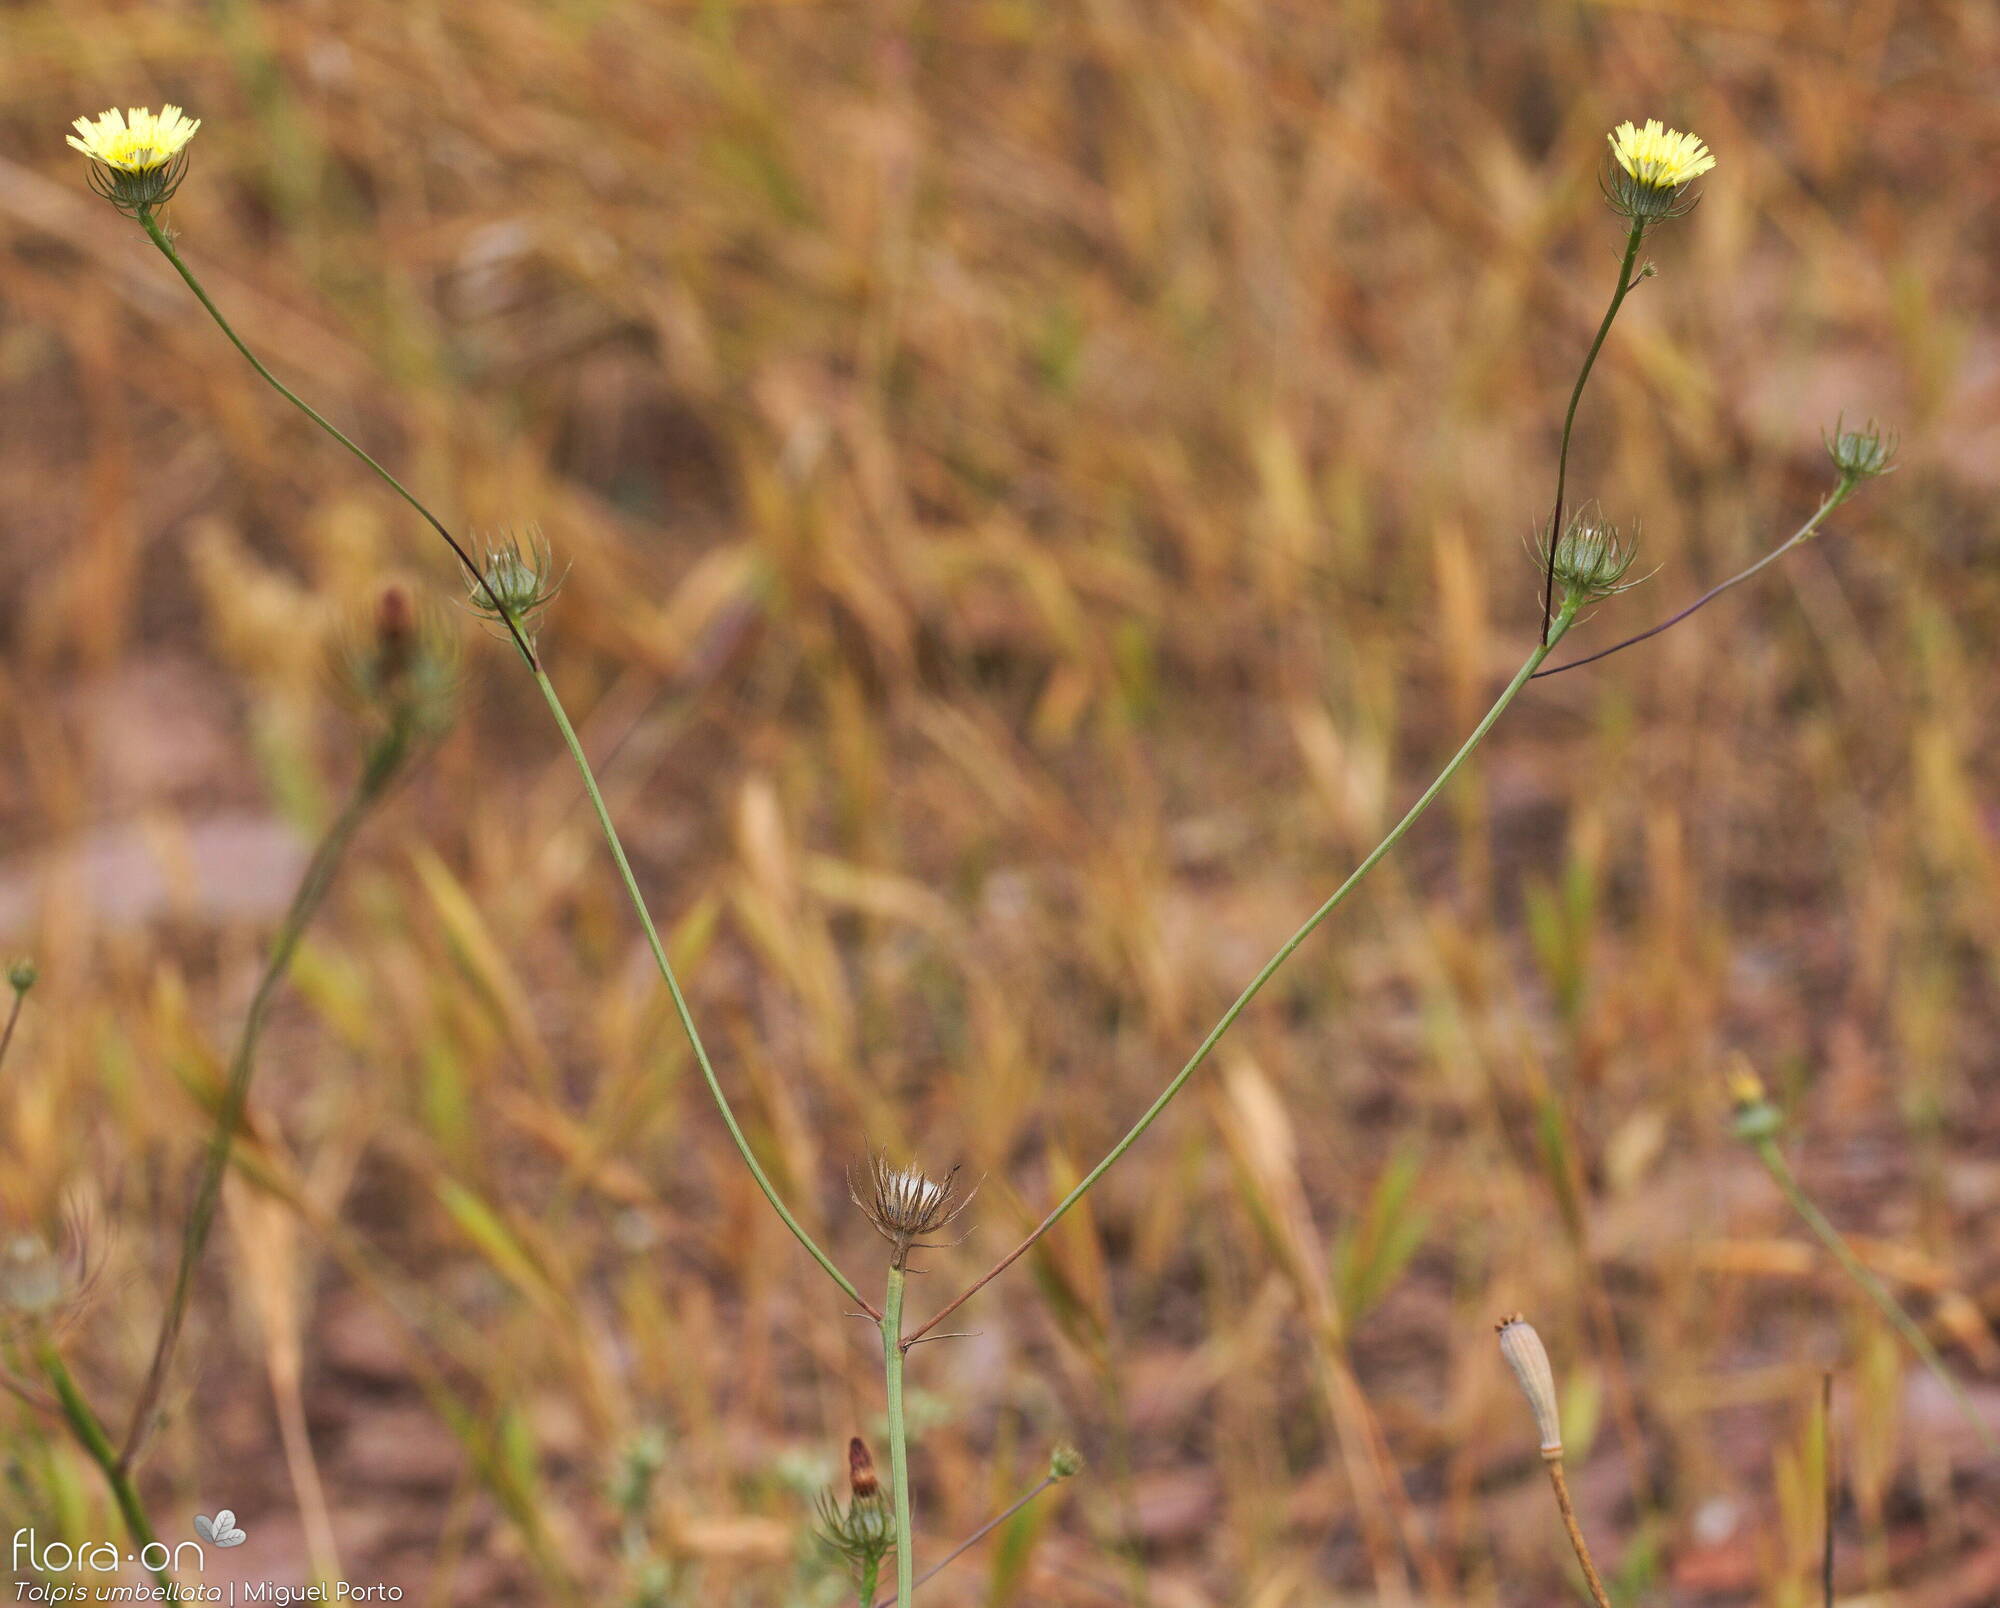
column 1625, row 284
column 1565, row 617
column 383, row 760
column 893, row 1348
column 972, row 1540
column 1788, row 1184
column 90, row 1435
column 160, row 238
column 528, row 655
column 674, row 988
column 1833, row 500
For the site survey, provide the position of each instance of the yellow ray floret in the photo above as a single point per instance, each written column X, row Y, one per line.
column 1661, row 157
column 136, row 141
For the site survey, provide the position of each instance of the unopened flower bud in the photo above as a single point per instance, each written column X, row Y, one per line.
column 861, row 1530
column 1591, row 556
column 1755, row 1117
column 1529, row 1359
column 518, row 579
column 1065, row 1462
column 22, row 975
column 861, row 1478
column 402, row 667
column 1861, row 454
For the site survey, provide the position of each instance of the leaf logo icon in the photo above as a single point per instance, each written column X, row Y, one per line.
column 221, row 1529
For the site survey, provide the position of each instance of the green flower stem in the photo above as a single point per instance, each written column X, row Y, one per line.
column 89, row 1431
column 159, row 238
column 383, row 760
column 680, row 1002
column 1625, row 284
column 893, row 1348
column 1833, row 500
column 972, row 1540
column 528, row 655
column 1564, row 617
column 1788, row 1184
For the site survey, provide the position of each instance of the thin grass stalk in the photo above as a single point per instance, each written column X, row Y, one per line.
column 383, row 761
column 1565, row 617
column 894, row 1349
column 1788, row 1185
column 526, row 648
column 90, row 1434
column 1625, row 284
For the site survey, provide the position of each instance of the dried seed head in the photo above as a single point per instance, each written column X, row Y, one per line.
column 1529, row 1359
column 905, row 1204
column 1065, row 1462
column 31, row 1276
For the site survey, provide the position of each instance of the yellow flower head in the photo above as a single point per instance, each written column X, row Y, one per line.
column 1652, row 166
column 137, row 159
column 1664, row 158
column 136, row 141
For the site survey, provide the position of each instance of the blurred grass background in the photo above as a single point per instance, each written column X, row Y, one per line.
column 1044, row 485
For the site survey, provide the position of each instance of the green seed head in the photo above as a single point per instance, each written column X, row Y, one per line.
column 22, row 975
